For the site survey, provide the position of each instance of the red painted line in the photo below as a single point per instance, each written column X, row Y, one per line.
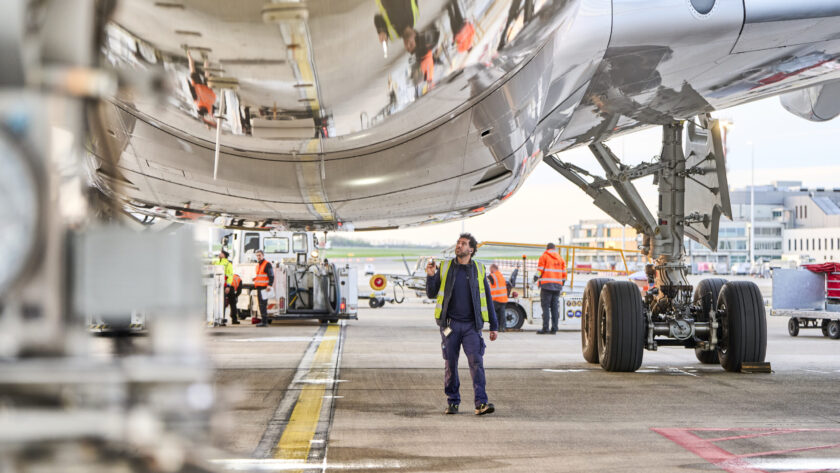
column 707, row 450
column 782, row 452
column 762, row 434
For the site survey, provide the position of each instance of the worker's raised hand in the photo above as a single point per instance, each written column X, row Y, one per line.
column 431, row 268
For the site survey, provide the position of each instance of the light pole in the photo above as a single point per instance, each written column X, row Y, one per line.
column 752, row 202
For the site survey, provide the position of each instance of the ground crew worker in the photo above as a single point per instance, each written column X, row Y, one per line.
column 462, row 292
column 263, row 280
column 224, row 260
column 551, row 275
column 202, row 94
column 233, row 298
column 396, row 18
column 498, row 291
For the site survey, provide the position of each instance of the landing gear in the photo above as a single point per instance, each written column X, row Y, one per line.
column 621, row 327
column 588, row 326
column 743, row 325
column 723, row 322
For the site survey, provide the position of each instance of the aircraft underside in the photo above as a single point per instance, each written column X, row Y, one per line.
column 337, row 134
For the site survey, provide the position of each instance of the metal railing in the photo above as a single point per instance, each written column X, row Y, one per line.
column 570, row 256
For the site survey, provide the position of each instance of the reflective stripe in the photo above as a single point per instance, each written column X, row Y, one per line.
column 444, row 271
column 391, row 32
column 482, row 296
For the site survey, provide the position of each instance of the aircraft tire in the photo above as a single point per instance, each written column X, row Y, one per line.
column 793, row 326
column 706, row 295
column 833, row 329
column 588, row 327
column 743, row 325
column 621, row 327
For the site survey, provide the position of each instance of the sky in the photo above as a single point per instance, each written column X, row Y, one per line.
column 785, row 147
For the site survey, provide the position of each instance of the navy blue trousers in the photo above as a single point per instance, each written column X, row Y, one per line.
column 463, row 334
column 550, row 303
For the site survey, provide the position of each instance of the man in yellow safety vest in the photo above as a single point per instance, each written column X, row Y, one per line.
column 223, row 260
column 462, row 293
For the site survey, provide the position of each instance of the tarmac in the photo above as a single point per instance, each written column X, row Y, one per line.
column 367, row 395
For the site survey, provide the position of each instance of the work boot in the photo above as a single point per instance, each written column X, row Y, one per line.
column 543, row 332
column 452, row 409
column 235, row 321
column 553, row 331
column 487, row 408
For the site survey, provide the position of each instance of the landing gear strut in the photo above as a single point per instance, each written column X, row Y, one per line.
column 722, row 321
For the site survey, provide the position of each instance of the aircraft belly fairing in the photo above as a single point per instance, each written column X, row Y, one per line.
column 323, row 123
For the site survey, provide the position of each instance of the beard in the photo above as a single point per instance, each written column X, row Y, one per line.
column 463, row 253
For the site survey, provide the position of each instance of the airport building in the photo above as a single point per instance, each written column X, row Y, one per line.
column 792, row 223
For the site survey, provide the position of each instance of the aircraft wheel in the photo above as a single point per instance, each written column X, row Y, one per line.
column 743, row 328
column 824, row 326
column 621, row 327
column 588, row 326
column 793, row 326
column 514, row 316
column 706, row 295
column 373, row 302
column 833, row 329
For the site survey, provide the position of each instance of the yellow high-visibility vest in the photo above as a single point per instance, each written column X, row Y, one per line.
column 444, row 271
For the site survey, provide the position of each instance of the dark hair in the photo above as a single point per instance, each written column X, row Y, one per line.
column 549, row 246
column 227, row 255
column 473, row 242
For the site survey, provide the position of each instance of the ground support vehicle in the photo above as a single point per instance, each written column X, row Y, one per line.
column 305, row 286
column 519, row 310
column 801, row 295
column 524, row 295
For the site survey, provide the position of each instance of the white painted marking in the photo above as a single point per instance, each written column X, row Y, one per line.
column 321, row 381
column 799, row 464
column 270, row 464
column 330, row 396
column 574, row 370
column 317, row 441
column 283, row 339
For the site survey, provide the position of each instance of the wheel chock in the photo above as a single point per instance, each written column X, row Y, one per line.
column 756, row 367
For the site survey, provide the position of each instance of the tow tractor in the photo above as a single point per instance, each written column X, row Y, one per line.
column 810, row 296
column 305, row 287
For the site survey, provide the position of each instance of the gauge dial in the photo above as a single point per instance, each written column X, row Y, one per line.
column 19, row 212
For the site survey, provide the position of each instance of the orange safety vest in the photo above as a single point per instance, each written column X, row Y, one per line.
column 552, row 268
column 237, row 281
column 498, row 288
column 205, row 98
column 261, row 278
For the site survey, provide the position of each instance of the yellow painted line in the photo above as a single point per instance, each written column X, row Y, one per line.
column 297, row 437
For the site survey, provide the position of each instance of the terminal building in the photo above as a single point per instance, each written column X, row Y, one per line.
column 793, row 224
